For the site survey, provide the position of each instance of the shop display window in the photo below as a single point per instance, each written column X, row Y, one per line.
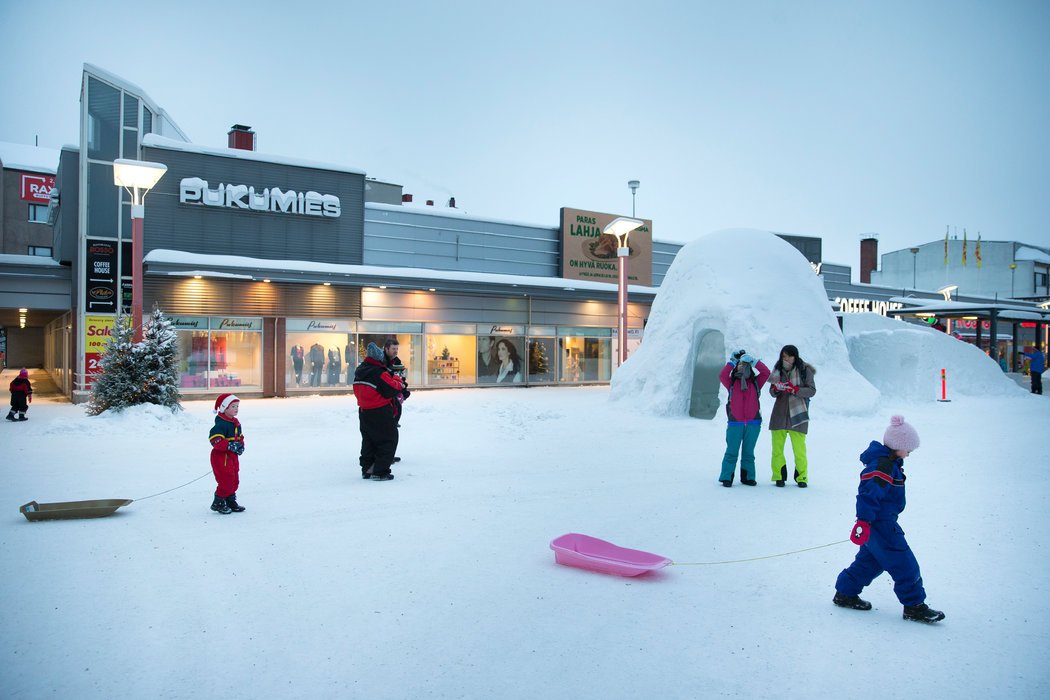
column 585, row 359
column 229, row 357
column 541, row 360
column 409, row 351
column 319, row 360
column 501, row 360
column 451, row 360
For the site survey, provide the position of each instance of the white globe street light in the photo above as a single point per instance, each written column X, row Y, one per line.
column 621, row 227
column 137, row 177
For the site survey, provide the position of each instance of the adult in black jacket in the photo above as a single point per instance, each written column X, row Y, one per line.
column 376, row 389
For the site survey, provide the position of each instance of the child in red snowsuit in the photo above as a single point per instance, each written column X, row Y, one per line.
column 227, row 445
column 21, row 396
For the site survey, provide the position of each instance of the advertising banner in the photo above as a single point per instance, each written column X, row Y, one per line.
column 588, row 254
column 97, row 332
column 37, row 188
column 101, row 261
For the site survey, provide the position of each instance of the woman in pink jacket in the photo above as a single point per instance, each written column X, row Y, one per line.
column 743, row 376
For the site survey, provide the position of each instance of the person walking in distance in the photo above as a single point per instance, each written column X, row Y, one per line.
column 21, row 396
column 1036, row 368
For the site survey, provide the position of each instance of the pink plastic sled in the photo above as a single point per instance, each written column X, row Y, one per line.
column 594, row 554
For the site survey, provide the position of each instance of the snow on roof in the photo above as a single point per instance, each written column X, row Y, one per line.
column 17, row 156
column 40, row 260
column 154, row 141
column 198, row 260
column 1026, row 253
column 415, row 208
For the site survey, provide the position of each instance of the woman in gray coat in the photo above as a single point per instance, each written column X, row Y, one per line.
column 792, row 385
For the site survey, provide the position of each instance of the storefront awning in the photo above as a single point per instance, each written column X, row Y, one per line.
column 959, row 309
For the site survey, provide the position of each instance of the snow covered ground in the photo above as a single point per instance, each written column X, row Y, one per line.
column 441, row 583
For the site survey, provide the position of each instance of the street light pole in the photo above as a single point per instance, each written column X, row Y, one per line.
column 1013, row 269
column 914, row 254
column 621, row 227
column 633, row 184
column 137, row 177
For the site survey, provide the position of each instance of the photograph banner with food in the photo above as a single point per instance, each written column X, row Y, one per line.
column 588, row 254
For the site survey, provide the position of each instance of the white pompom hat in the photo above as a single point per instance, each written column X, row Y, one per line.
column 900, row 436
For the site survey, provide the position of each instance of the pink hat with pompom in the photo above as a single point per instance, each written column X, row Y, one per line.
column 900, row 436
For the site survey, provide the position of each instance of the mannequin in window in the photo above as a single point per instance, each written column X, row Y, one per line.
column 316, row 363
column 298, row 355
column 335, row 365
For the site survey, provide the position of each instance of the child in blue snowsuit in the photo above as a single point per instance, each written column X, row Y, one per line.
column 880, row 499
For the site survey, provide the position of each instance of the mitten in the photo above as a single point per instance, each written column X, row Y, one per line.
column 748, row 358
column 30, row 397
column 860, row 533
column 737, row 353
column 790, row 388
column 236, row 447
column 405, row 393
column 731, row 362
column 780, row 386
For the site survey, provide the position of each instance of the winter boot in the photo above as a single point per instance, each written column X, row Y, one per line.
column 922, row 613
column 783, row 475
column 22, row 415
column 852, row 602
column 397, row 459
column 219, row 506
column 728, row 483
column 11, row 415
column 801, row 484
column 382, row 477
column 231, row 503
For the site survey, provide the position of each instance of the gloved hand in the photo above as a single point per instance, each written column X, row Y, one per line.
column 860, row 533
column 30, row 397
column 748, row 358
column 405, row 393
column 780, row 386
column 790, row 388
column 236, row 447
column 737, row 353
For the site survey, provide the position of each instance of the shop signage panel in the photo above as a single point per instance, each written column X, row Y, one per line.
column 586, row 332
column 500, row 329
column 588, row 254
column 189, row 323
column 101, row 276
column 195, row 191
column 37, row 188
column 452, row 328
column 97, row 332
column 388, row 327
column 323, row 325
column 861, row 306
column 126, row 272
column 236, row 324
column 543, row 330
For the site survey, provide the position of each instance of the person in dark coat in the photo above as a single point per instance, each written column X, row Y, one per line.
column 376, row 389
column 1036, row 368
column 227, row 446
column 398, row 369
column 21, row 396
column 743, row 376
column 792, row 384
column 880, row 500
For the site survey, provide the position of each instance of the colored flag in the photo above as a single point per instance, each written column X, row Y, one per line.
column 977, row 250
column 964, row 248
column 946, row 229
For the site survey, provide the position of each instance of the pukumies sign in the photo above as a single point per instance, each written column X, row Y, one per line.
column 193, row 190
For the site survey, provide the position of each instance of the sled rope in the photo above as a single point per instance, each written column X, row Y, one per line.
column 177, row 487
column 769, row 556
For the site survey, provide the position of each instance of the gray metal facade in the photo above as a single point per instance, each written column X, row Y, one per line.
column 196, row 228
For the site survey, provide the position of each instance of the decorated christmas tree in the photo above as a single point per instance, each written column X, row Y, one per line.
column 133, row 373
column 539, row 363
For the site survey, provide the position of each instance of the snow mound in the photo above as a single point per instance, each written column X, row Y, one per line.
column 135, row 420
column 762, row 294
column 904, row 360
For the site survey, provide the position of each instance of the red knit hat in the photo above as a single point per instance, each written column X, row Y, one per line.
column 223, row 402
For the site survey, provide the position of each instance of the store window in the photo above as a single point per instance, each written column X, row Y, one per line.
column 501, row 355
column 320, row 354
column 219, row 354
column 410, row 345
column 542, row 356
column 451, row 354
column 586, row 354
column 38, row 213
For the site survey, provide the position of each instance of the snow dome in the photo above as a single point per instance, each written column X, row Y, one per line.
column 762, row 294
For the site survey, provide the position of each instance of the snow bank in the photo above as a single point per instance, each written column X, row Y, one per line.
column 762, row 294
column 904, row 360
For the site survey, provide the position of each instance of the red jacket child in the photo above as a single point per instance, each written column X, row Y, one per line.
column 227, row 445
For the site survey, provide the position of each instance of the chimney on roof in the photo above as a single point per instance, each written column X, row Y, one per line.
column 869, row 256
column 406, row 199
column 242, row 137
column 430, row 202
column 452, row 202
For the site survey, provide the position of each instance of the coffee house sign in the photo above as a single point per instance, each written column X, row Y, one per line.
column 193, row 190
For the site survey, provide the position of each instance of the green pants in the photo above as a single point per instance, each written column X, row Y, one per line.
column 798, row 448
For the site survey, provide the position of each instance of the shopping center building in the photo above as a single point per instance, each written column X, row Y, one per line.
column 277, row 272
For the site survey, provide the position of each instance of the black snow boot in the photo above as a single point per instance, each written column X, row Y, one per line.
column 748, row 482
column 783, row 475
column 728, row 483
column 852, row 602
column 231, row 503
column 383, row 477
column 11, row 416
column 397, row 459
column 922, row 613
column 22, row 416
column 219, row 506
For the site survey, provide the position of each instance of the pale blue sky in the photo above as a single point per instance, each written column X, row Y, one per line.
column 816, row 118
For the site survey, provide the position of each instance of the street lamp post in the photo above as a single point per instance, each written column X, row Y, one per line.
column 1013, row 269
column 621, row 227
column 633, row 184
column 137, row 177
column 914, row 255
